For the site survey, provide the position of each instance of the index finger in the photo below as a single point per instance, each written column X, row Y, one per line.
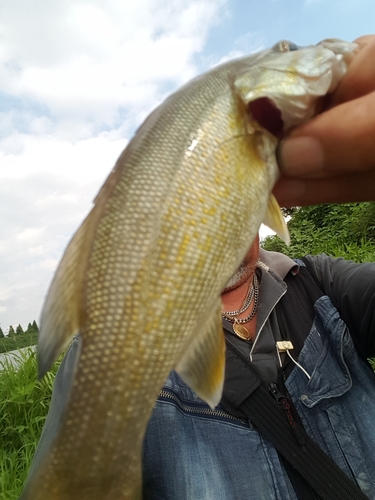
column 360, row 77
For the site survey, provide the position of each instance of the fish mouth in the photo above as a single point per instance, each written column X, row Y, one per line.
column 268, row 115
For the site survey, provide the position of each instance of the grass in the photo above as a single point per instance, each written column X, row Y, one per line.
column 23, row 409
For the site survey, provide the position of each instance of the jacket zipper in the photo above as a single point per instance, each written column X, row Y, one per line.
column 198, row 409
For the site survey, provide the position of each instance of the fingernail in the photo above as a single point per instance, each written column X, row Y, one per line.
column 302, row 155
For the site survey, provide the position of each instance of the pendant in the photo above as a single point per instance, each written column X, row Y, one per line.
column 241, row 331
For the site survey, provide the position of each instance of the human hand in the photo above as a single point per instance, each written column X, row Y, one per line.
column 331, row 158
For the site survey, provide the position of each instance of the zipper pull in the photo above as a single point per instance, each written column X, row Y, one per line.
column 276, row 394
column 282, row 400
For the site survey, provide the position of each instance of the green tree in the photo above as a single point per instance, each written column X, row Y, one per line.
column 35, row 326
column 19, row 330
column 11, row 332
column 1, row 333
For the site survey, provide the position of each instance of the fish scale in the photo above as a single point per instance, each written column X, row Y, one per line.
column 142, row 277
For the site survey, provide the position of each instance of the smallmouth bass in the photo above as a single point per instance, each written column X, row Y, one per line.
column 142, row 277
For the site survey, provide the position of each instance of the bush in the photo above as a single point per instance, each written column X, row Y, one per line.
column 344, row 231
column 23, row 409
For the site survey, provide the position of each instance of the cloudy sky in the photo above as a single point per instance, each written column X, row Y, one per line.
column 77, row 77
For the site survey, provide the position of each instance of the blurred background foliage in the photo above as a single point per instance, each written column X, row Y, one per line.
column 346, row 231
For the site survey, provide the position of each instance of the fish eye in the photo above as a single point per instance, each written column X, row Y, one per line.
column 293, row 46
column 285, row 46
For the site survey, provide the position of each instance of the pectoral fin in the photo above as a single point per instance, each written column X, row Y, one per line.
column 202, row 366
column 274, row 219
column 62, row 315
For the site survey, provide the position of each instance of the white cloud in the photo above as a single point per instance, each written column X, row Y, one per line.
column 77, row 78
column 30, row 234
column 81, row 63
column 46, row 189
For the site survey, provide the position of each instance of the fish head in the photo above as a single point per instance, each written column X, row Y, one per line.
column 285, row 85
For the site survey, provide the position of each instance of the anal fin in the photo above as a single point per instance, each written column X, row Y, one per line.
column 203, row 364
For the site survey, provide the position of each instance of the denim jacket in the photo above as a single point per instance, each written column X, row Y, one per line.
column 193, row 452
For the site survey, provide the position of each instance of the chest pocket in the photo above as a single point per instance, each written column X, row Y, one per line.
column 323, row 357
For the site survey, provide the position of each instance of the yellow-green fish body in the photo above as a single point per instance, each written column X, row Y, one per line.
column 142, row 277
